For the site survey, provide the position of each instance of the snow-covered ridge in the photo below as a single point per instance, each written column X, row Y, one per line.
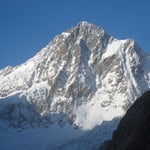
column 83, row 77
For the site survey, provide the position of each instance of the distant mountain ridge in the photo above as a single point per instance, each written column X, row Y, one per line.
column 83, row 77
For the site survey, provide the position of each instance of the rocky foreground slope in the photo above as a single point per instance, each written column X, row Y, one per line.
column 133, row 132
column 82, row 78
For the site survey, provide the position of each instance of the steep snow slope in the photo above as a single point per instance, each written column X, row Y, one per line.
column 83, row 77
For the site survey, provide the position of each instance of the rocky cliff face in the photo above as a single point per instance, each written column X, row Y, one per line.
column 133, row 132
column 82, row 77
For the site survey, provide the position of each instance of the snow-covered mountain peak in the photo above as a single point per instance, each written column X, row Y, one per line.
column 85, row 29
column 83, row 77
column 85, row 23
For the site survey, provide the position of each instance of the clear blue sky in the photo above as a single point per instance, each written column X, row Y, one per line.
column 26, row 26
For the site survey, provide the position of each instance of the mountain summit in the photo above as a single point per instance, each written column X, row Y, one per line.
column 83, row 77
